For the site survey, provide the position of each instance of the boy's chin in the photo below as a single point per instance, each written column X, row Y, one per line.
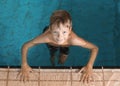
column 59, row 43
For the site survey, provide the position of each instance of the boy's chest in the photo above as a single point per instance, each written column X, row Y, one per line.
column 62, row 45
column 54, row 43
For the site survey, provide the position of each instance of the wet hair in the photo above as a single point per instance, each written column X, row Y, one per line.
column 60, row 16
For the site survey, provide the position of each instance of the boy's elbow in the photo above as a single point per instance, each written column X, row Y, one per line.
column 26, row 45
column 96, row 48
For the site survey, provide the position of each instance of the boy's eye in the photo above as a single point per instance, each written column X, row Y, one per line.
column 64, row 31
column 55, row 32
column 67, row 26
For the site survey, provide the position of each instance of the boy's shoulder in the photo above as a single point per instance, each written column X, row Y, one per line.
column 73, row 34
column 75, row 39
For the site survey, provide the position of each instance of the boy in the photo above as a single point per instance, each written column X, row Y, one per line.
column 59, row 35
column 53, row 49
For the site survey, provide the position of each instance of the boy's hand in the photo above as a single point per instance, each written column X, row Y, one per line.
column 24, row 73
column 86, row 75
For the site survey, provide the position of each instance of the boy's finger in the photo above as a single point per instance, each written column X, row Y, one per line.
column 85, row 78
column 81, row 70
column 19, row 74
column 21, row 78
column 27, row 77
column 31, row 71
column 24, row 79
column 92, row 78
column 82, row 78
column 88, row 81
column 77, row 70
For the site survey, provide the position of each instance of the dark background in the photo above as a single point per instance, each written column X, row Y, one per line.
column 97, row 21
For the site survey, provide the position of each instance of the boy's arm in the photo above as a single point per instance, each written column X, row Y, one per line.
column 24, row 52
column 87, row 70
column 27, row 45
column 94, row 50
column 77, row 41
column 25, row 68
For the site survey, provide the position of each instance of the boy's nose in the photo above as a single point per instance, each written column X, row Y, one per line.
column 60, row 36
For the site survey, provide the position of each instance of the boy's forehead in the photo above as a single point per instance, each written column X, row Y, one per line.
column 55, row 26
column 60, row 24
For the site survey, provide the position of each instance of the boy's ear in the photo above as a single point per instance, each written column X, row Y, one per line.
column 70, row 28
column 50, row 29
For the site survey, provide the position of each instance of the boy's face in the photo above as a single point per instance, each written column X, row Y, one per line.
column 60, row 33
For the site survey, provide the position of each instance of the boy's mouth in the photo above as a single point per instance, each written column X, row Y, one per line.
column 59, row 40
